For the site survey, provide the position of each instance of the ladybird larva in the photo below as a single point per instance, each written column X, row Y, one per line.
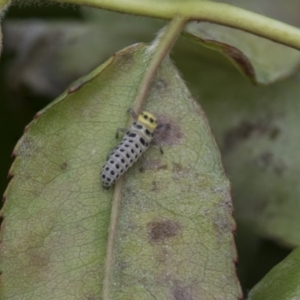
column 134, row 143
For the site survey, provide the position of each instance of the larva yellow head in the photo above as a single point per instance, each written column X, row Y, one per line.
column 148, row 120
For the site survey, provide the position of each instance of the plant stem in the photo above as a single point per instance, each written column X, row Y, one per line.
column 116, row 201
column 219, row 13
column 158, row 50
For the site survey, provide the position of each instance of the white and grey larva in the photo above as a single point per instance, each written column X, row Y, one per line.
column 135, row 142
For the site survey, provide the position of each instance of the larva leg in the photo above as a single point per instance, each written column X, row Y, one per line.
column 133, row 114
column 163, row 126
column 160, row 130
column 143, row 161
column 120, row 130
column 159, row 147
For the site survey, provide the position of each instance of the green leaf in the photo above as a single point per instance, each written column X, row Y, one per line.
column 256, row 128
column 174, row 231
column 213, row 12
column 282, row 282
column 262, row 60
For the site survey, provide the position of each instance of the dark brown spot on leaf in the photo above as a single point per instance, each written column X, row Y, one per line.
column 160, row 84
column 265, row 159
column 245, row 130
column 274, row 133
column 181, row 293
column 161, row 230
column 241, row 132
column 167, row 132
column 63, row 166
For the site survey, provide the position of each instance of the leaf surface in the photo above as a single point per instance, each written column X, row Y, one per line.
column 261, row 60
column 174, row 232
column 256, row 128
column 282, row 282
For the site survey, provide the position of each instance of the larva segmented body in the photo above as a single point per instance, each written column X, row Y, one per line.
column 135, row 142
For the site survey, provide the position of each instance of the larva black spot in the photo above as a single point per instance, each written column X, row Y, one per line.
column 131, row 160
column 122, row 161
column 132, row 135
column 146, row 117
column 127, row 155
column 112, row 172
column 122, row 150
column 142, row 141
column 108, row 179
column 130, row 141
column 138, row 126
column 147, row 132
column 106, row 169
column 126, row 166
column 136, row 145
column 117, row 166
column 112, row 162
column 151, row 120
column 136, row 156
column 146, row 144
column 103, row 176
column 117, row 155
column 121, row 171
column 126, row 145
column 132, row 151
